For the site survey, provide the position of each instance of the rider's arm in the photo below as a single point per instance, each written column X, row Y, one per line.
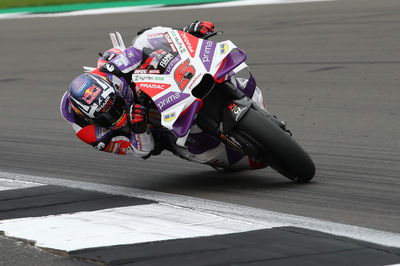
column 121, row 141
column 116, row 141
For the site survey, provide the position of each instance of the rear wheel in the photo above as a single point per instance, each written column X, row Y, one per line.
column 277, row 148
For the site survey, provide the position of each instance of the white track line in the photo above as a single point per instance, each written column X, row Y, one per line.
column 152, row 8
column 7, row 184
column 121, row 226
column 256, row 216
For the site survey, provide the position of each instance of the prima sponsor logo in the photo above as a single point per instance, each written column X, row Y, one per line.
column 207, row 53
column 170, row 99
column 171, row 64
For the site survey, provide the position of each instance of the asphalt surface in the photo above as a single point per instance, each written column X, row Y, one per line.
column 330, row 69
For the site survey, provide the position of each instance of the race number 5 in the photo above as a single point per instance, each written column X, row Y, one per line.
column 183, row 73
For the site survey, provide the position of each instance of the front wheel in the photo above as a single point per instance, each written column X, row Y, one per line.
column 277, row 148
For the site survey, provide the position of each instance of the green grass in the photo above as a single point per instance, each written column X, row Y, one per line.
column 32, row 3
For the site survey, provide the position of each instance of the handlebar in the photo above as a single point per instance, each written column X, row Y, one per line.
column 212, row 34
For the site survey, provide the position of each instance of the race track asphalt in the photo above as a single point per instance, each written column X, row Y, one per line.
column 330, row 69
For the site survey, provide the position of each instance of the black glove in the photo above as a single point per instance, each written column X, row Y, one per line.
column 200, row 28
column 138, row 118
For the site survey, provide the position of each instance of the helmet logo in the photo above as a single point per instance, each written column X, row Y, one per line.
column 91, row 94
column 105, row 105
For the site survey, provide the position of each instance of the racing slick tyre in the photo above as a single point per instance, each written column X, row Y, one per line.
column 278, row 149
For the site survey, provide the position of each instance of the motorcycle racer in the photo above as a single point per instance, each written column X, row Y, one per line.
column 109, row 113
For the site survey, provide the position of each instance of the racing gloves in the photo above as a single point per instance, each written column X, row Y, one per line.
column 138, row 118
column 200, row 28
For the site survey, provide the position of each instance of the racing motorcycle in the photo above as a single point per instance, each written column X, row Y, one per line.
column 196, row 87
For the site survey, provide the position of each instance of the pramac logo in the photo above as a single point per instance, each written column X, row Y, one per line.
column 152, row 89
column 190, row 42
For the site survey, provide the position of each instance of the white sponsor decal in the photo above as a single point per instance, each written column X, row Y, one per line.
column 164, row 62
column 181, row 46
column 187, row 42
column 153, row 86
column 143, row 78
column 140, row 71
column 169, row 40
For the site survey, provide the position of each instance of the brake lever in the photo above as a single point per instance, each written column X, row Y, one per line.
column 212, row 34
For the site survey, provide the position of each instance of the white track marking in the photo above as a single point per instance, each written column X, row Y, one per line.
column 254, row 216
column 151, row 8
column 121, row 226
column 7, row 184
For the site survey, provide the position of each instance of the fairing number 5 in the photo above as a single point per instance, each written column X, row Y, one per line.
column 183, row 73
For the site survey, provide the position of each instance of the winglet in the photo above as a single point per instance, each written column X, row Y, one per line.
column 117, row 40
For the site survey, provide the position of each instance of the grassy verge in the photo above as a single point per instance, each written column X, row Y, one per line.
column 32, row 3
